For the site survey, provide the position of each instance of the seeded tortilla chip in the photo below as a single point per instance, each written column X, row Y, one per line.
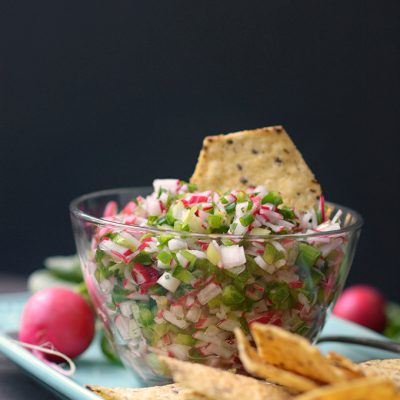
column 167, row 392
column 294, row 353
column 265, row 156
column 255, row 365
column 342, row 362
column 221, row 385
column 366, row 388
column 386, row 368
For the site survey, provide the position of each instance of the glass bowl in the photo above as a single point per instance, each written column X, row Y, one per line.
column 190, row 311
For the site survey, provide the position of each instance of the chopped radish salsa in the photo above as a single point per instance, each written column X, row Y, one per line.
column 183, row 295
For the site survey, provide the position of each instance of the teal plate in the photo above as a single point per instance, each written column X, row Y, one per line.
column 94, row 368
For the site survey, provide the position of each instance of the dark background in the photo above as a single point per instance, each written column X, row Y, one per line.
column 96, row 95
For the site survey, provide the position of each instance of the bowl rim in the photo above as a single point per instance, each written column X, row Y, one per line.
column 79, row 214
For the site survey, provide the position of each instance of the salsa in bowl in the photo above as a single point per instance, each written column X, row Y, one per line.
column 173, row 271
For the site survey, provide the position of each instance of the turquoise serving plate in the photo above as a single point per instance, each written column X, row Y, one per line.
column 94, row 368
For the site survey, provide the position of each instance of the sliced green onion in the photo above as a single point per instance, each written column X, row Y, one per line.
column 214, row 221
column 146, row 316
column 279, row 294
column 143, row 258
column 189, row 256
column 272, row 198
column 241, row 197
column 182, row 274
column 270, row 254
column 246, row 220
column 165, row 257
column 287, row 213
column 231, row 295
column 184, row 339
column 307, row 256
column 230, row 208
column 164, row 239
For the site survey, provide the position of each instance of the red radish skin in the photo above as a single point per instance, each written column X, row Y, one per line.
column 363, row 305
column 58, row 316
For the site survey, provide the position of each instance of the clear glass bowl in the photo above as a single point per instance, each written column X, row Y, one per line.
column 195, row 320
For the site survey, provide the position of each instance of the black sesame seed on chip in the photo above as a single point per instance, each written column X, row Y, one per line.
column 254, row 151
column 239, row 167
column 278, row 160
column 278, row 129
column 229, row 141
column 243, row 180
column 298, row 193
column 313, row 191
column 286, row 151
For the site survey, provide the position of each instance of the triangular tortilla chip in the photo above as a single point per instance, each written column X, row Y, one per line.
column 167, row 392
column 294, row 353
column 367, row 388
column 344, row 363
column 221, row 385
column 389, row 368
column 265, row 156
column 255, row 365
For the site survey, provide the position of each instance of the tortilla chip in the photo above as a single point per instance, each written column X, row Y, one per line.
column 294, row 353
column 386, row 368
column 366, row 388
column 167, row 392
column 255, row 365
column 345, row 364
column 265, row 156
column 221, row 385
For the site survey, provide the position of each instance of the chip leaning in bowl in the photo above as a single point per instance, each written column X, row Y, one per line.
column 211, row 263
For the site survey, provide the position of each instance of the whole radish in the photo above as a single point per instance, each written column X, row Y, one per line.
column 59, row 317
column 363, row 305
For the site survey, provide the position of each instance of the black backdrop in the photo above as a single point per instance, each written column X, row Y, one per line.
column 106, row 94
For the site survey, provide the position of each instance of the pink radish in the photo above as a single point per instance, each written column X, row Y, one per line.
column 363, row 305
column 60, row 318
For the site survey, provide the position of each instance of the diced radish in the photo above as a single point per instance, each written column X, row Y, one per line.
column 166, row 339
column 168, row 184
column 182, row 260
column 264, row 318
column 206, row 322
column 122, row 324
column 153, row 207
column 260, row 306
column 228, row 325
column 209, row 292
column 173, row 319
column 232, row 256
column 241, row 209
column 177, row 310
column 212, row 330
column 197, row 253
column 193, row 314
column 167, row 281
column 129, row 208
column 220, row 350
column 111, row 209
column 179, row 351
column 126, row 308
column 143, row 275
column 199, row 335
column 177, row 244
